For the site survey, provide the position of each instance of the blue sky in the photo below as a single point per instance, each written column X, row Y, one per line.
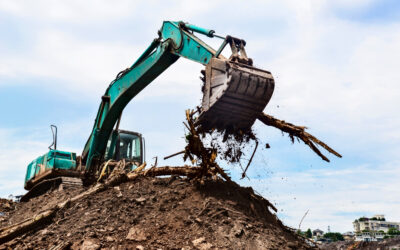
column 336, row 69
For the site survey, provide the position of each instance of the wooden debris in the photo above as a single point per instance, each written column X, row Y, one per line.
column 298, row 132
column 251, row 159
column 197, row 152
column 170, row 156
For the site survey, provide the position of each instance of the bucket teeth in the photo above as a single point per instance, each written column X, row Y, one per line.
column 233, row 95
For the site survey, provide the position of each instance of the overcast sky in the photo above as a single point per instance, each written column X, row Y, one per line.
column 335, row 65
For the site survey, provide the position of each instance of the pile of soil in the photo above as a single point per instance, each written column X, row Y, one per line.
column 157, row 213
column 389, row 244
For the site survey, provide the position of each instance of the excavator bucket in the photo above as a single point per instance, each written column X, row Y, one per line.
column 233, row 95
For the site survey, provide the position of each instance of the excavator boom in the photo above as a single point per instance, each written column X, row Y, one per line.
column 234, row 90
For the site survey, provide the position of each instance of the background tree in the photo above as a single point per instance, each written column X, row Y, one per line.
column 334, row 236
column 308, row 233
column 393, row 231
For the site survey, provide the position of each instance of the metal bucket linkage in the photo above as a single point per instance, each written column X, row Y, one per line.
column 234, row 94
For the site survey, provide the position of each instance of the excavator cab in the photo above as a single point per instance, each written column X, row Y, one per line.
column 128, row 145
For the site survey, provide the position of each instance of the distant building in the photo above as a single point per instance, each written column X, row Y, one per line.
column 348, row 236
column 317, row 233
column 374, row 224
column 369, row 236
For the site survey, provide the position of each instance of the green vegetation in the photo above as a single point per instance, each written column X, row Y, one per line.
column 367, row 219
column 380, row 219
column 334, row 236
column 393, row 231
column 308, row 233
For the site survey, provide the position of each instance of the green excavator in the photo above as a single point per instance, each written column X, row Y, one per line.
column 234, row 92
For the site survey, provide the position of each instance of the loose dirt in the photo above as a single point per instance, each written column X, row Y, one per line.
column 156, row 213
column 387, row 244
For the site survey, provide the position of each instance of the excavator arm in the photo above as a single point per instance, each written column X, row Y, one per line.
column 176, row 39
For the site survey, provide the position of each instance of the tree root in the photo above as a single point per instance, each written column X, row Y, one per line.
column 298, row 132
column 197, row 152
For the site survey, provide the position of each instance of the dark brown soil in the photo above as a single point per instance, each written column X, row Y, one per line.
column 157, row 213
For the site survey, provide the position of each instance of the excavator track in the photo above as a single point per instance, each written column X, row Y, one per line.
column 234, row 94
column 48, row 184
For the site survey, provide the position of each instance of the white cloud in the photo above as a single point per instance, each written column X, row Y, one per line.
column 72, row 11
column 337, row 76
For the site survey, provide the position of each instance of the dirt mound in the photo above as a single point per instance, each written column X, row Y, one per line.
column 158, row 213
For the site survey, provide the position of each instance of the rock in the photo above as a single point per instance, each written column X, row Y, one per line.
column 136, row 234
column 237, row 231
column 205, row 246
column 140, row 200
column 119, row 194
column 249, row 226
column 46, row 232
column 91, row 234
column 109, row 239
column 139, row 247
column 200, row 243
column 90, row 244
